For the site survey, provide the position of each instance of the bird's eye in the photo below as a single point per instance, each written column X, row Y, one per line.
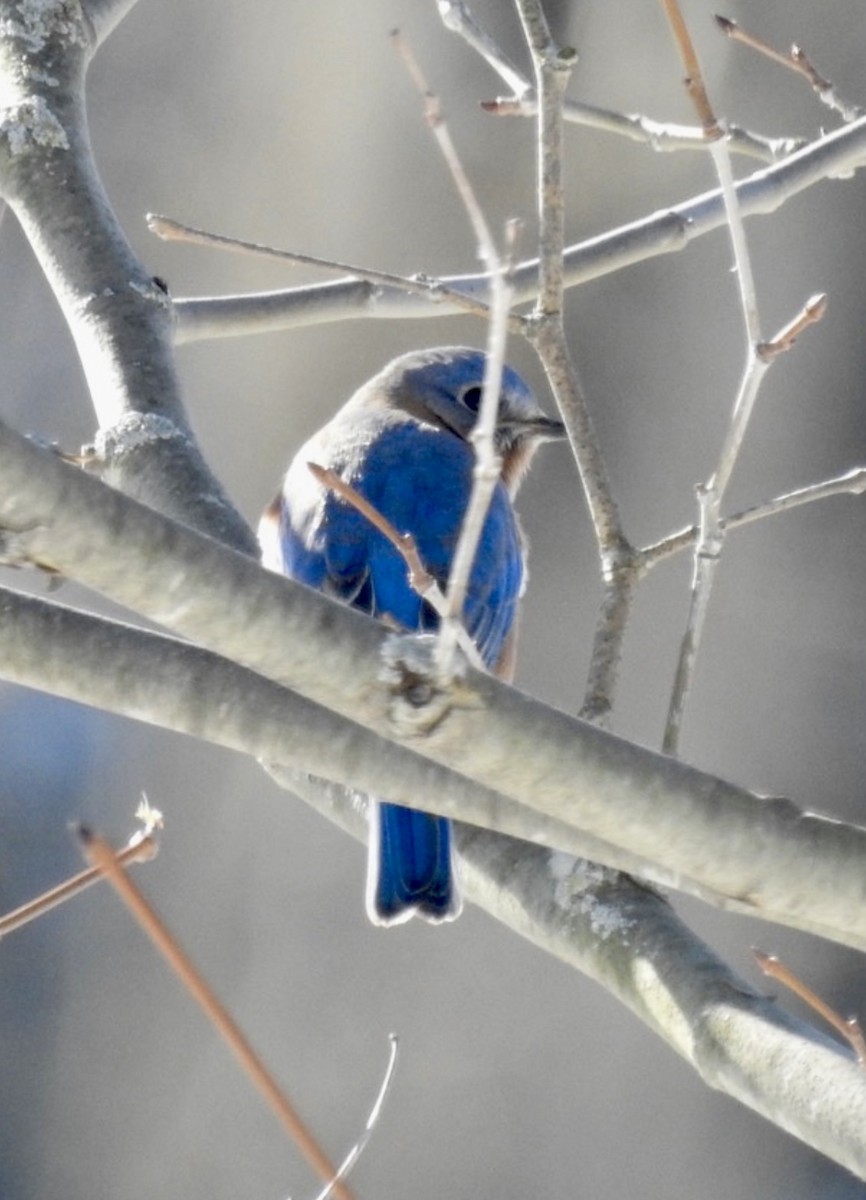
column 471, row 398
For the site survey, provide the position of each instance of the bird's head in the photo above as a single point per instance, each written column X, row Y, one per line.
column 443, row 387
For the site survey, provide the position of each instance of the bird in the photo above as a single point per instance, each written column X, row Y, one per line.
column 402, row 443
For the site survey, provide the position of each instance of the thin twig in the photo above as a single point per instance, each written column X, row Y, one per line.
column 694, row 79
column 720, row 151
column 141, row 848
column 835, row 155
column 764, row 354
column 712, row 528
column 372, row 1120
column 848, row 1027
column 719, row 147
column 455, row 15
column 487, row 469
column 170, row 230
column 796, row 60
column 708, row 547
column 552, row 69
column 707, row 553
column 661, row 136
column 100, row 855
column 709, row 542
column 420, row 579
column 853, row 483
column 810, row 314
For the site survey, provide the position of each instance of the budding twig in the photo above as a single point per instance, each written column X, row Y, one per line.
column 847, row 1027
column 810, row 314
column 851, row 483
column 759, row 355
column 795, row 60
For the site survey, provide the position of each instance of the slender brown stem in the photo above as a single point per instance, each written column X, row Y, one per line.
column 694, row 79
column 812, row 312
column 420, row 578
column 796, row 60
column 847, row 1027
column 102, row 857
column 141, row 849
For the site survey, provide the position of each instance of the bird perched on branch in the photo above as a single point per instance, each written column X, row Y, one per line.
column 402, row 443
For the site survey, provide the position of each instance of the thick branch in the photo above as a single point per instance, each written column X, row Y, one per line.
column 788, row 866
column 632, row 942
column 609, row 927
column 120, row 317
column 675, row 984
column 169, row 683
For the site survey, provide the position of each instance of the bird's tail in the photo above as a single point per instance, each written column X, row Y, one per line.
column 410, row 867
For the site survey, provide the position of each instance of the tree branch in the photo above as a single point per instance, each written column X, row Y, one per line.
column 789, row 866
column 640, row 951
column 608, row 926
column 631, row 942
column 120, row 317
column 835, row 155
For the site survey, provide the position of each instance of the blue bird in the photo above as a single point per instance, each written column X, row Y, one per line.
column 401, row 442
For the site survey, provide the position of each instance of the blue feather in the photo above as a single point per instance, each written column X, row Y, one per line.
column 401, row 443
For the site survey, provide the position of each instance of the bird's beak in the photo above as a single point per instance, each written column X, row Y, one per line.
column 541, row 429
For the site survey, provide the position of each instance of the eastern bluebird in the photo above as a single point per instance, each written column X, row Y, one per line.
column 402, row 442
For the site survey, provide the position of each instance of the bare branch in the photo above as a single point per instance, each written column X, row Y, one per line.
column 658, row 135
column 797, row 61
column 174, row 685
column 834, row 155
column 847, row 1027
column 694, row 80
column 759, row 355
column 627, row 938
column 661, row 136
column 120, row 317
column 170, row 230
column 637, row 948
column 141, row 848
column 102, row 857
column 852, row 483
column 761, row 852
column 487, row 467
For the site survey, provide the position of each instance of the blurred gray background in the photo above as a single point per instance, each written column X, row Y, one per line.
column 294, row 124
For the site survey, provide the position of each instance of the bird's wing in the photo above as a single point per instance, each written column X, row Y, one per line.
column 419, row 479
